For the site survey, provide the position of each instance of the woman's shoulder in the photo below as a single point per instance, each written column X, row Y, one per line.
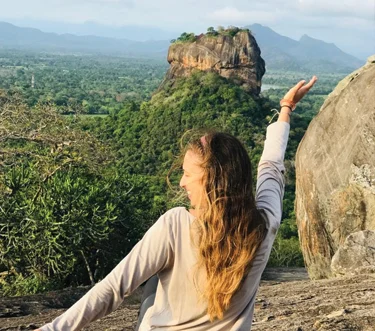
column 178, row 220
column 178, row 214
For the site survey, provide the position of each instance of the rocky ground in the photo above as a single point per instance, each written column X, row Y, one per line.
column 286, row 301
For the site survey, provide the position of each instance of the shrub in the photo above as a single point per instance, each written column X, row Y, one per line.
column 19, row 285
column 286, row 253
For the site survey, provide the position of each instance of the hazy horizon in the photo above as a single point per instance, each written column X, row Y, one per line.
column 345, row 23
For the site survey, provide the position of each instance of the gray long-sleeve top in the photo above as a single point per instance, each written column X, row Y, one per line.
column 167, row 250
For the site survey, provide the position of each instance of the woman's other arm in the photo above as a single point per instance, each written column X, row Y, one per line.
column 151, row 255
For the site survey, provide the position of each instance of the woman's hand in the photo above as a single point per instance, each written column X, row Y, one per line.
column 296, row 93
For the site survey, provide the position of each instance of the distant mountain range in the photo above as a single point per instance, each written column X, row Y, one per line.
column 279, row 52
column 12, row 36
column 306, row 54
column 131, row 32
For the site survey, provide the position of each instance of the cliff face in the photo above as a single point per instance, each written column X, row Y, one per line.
column 236, row 58
column 335, row 173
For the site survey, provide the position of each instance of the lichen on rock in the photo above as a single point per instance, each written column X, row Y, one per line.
column 356, row 256
column 364, row 176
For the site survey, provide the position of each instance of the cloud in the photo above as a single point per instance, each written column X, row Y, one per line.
column 231, row 15
column 103, row 2
column 365, row 9
column 108, row 4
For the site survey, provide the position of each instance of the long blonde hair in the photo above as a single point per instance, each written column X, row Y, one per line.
column 230, row 227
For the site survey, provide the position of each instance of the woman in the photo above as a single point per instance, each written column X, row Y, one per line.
column 209, row 260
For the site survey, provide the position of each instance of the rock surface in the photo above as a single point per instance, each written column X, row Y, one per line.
column 339, row 304
column 356, row 255
column 335, row 171
column 236, row 58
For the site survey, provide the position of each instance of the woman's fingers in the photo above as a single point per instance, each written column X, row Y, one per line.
column 306, row 88
column 297, row 92
column 311, row 83
column 290, row 95
column 299, row 85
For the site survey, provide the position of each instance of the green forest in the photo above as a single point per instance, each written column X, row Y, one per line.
column 87, row 84
column 77, row 191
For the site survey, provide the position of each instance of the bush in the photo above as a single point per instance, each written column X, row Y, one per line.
column 20, row 285
column 187, row 37
column 68, row 215
column 286, row 253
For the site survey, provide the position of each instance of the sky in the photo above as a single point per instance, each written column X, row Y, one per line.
column 350, row 24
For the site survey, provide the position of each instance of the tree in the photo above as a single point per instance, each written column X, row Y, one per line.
column 62, row 200
column 187, row 37
column 220, row 29
column 232, row 30
column 211, row 31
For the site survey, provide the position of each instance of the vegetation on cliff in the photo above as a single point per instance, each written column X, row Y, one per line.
column 231, row 31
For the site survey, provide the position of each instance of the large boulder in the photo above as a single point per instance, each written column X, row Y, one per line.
column 236, row 58
column 335, row 171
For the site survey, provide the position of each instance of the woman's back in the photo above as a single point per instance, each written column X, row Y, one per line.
column 178, row 305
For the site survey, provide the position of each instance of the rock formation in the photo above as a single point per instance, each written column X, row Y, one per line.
column 236, row 58
column 335, row 171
